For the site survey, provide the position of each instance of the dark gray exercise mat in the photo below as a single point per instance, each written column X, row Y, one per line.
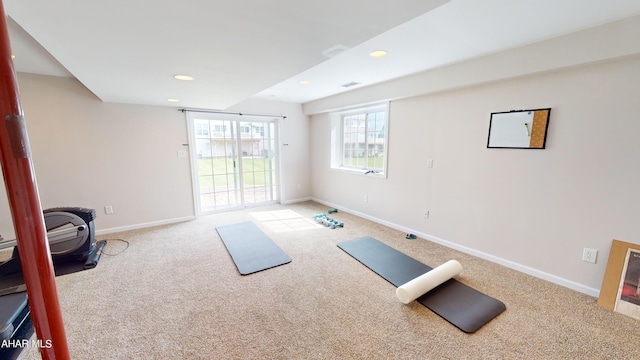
column 250, row 248
column 13, row 283
column 459, row 304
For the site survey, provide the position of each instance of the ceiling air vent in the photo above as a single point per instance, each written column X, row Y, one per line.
column 353, row 83
column 335, row 50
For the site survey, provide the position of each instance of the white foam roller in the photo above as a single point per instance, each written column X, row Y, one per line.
column 423, row 283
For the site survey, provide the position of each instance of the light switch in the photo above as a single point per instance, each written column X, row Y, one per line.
column 429, row 163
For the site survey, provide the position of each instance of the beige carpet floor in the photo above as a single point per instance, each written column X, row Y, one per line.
column 174, row 293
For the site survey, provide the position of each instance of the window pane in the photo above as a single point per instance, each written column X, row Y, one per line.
column 361, row 139
column 375, row 140
column 354, row 140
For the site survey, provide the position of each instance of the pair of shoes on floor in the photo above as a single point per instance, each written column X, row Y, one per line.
column 411, row 236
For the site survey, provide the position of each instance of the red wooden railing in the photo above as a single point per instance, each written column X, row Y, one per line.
column 26, row 211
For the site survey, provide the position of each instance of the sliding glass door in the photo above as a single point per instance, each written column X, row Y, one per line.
column 216, row 164
column 234, row 162
column 258, row 162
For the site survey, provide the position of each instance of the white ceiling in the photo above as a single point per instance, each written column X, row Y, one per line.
column 128, row 51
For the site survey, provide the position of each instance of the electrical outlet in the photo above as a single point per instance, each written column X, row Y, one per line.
column 429, row 163
column 108, row 209
column 589, row 255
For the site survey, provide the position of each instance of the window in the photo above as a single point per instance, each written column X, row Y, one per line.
column 359, row 140
column 201, row 128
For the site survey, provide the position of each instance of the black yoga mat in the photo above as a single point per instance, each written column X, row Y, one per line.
column 68, row 267
column 250, row 248
column 459, row 304
column 13, row 283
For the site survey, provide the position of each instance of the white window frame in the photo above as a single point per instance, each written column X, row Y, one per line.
column 337, row 136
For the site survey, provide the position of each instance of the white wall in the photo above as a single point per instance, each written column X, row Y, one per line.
column 613, row 40
column 91, row 154
column 534, row 210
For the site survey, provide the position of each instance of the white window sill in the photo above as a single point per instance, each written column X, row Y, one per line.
column 377, row 174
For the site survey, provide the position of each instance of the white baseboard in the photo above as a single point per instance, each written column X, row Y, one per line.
column 507, row 263
column 293, row 201
column 143, row 225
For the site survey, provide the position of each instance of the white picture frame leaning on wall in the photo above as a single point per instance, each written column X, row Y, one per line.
column 628, row 297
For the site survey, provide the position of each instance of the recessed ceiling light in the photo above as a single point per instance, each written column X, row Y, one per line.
column 173, row 100
column 183, row 77
column 305, row 82
column 378, row 53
